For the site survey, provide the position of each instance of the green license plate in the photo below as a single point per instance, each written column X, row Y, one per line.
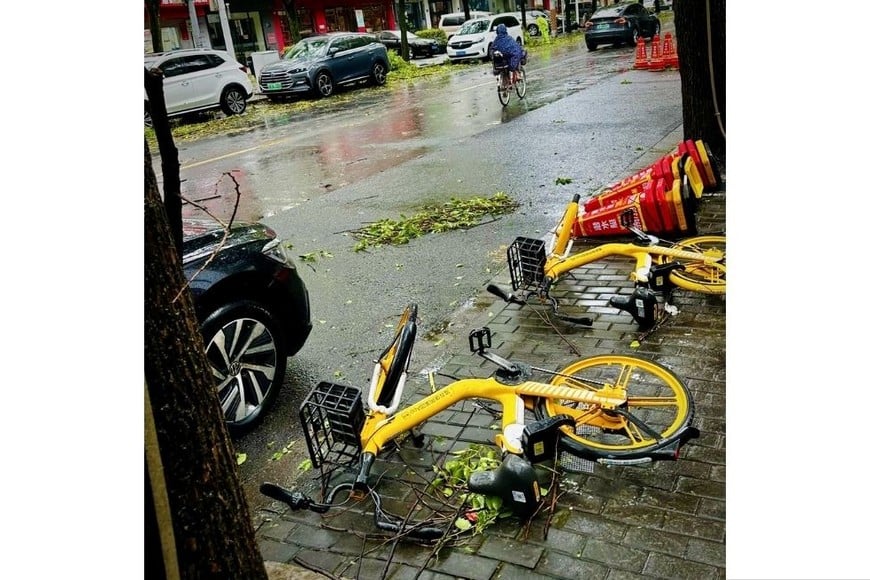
column 273, row 86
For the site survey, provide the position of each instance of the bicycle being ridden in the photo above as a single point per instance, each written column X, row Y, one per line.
column 508, row 58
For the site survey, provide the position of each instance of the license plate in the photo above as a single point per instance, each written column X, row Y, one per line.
column 460, row 53
column 273, row 86
column 601, row 26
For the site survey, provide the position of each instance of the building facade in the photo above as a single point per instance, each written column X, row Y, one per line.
column 262, row 25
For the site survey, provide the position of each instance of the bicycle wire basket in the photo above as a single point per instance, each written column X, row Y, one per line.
column 332, row 417
column 526, row 258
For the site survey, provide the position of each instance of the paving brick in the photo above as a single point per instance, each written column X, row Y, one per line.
column 614, row 555
column 656, row 541
column 462, row 565
column 679, row 568
column 276, row 529
column 571, row 567
column 513, row 551
column 511, row 572
column 712, row 509
column 273, row 551
column 695, row 526
column 595, row 527
column 712, row 553
column 405, row 572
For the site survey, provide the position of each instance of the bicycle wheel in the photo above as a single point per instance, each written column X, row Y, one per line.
column 698, row 276
column 521, row 83
column 656, row 415
column 504, row 92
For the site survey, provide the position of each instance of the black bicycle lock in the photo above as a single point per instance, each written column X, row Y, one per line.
column 541, row 437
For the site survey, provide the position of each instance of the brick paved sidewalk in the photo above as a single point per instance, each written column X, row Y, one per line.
column 665, row 520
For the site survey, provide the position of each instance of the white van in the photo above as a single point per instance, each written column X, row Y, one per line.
column 452, row 22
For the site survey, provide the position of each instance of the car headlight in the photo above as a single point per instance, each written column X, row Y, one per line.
column 299, row 70
column 478, row 41
column 275, row 249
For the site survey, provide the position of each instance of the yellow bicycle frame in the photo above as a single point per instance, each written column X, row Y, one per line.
column 559, row 264
column 380, row 428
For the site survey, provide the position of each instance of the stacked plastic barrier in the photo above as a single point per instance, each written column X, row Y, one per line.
column 664, row 196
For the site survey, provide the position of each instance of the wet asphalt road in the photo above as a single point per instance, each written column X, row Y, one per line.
column 384, row 154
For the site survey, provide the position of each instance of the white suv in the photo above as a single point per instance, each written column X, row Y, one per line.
column 199, row 79
column 452, row 22
column 475, row 38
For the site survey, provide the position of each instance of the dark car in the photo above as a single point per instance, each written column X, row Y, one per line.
column 620, row 24
column 253, row 311
column 417, row 46
column 319, row 64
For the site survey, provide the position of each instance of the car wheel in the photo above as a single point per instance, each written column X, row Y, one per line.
column 657, row 30
column 635, row 33
column 410, row 53
column 323, row 84
column 533, row 30
column 148, row 121
column 246, row 350
column 591, row 46
column 379, row 73
column 233, row 101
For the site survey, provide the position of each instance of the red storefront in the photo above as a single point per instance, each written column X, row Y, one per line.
column 258, row 25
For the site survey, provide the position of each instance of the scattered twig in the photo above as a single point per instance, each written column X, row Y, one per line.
column 314, row 568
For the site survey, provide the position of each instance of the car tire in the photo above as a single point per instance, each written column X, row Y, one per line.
column 591, row 46
column 410, row 53
column 635, row 34
column 233, row 100
column 657, row 30
column 323, row 84
column 247, row 353
column 379, row 73
column 533, row 30
column 149, row 122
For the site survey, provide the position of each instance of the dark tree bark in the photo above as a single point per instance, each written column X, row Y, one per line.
column 153, row 7
column 168, row 153
column 292, row 19
column 701, row 54
column 403, row 32
column 210, row 521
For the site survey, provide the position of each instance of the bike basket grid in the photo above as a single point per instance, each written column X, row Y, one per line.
column 332, row 417
column 526, row 257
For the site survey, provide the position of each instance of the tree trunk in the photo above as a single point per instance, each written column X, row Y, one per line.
column 168, row 153
column 154, row 24
column 214, row 535
column 292, row 19
column 701, row 54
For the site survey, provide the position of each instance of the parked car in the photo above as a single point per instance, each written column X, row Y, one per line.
column 620, row 24
column 253, row 311
column 475, row 38
column 663, row 5
column 319, row 64
column 453, row 21
column 531, row 21
column 200, row 79
column 417, row 46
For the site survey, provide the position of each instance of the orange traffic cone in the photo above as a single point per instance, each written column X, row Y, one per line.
column 640, row 58
column 669, row 54
column 656, row 62
column 631, row 185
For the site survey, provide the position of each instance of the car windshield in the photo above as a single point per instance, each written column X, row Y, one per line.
column 609, row 12
column 307, row 49
column 474, row 27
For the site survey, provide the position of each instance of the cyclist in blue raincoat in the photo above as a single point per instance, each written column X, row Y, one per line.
column 509, row 47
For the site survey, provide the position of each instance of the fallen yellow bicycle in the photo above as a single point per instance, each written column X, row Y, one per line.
column 610, row 409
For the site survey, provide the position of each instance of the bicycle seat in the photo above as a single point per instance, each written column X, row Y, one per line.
column 514, row 481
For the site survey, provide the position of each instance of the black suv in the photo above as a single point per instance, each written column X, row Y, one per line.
column 253, row 311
